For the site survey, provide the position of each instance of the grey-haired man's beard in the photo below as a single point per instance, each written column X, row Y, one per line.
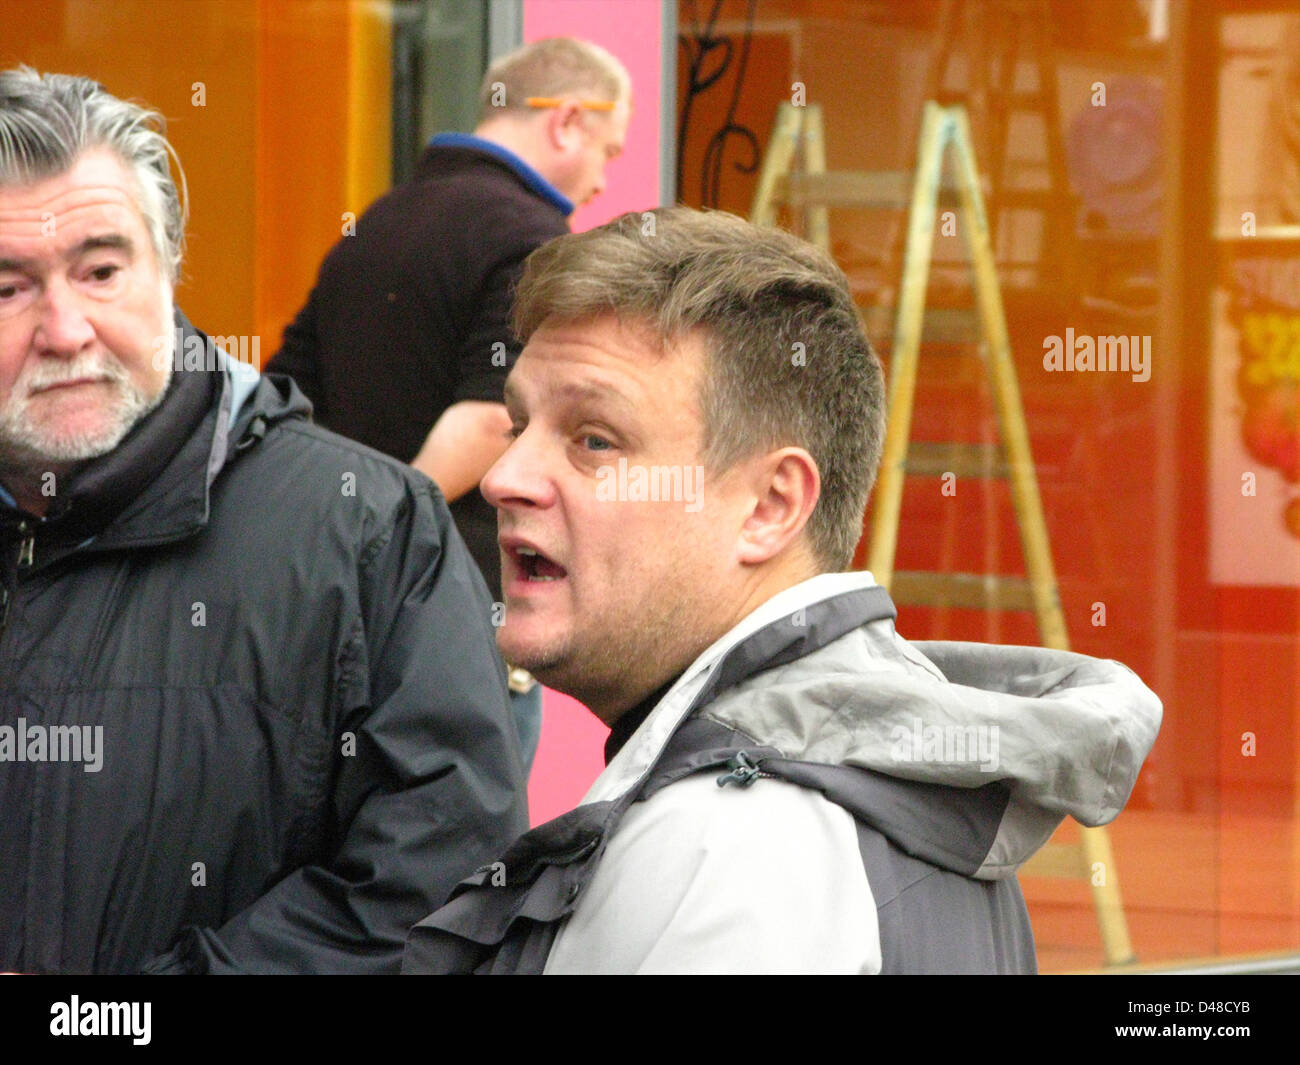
column 31, row 447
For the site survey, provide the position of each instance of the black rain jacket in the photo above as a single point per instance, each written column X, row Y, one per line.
column 303, row 738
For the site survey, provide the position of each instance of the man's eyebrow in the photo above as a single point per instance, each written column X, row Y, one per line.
column 580, row 390
column 573, row 392
column 111, row 241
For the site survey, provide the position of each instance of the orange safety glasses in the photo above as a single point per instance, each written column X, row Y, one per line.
column 557, row 101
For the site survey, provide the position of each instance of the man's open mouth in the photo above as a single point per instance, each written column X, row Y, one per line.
column 534, row 566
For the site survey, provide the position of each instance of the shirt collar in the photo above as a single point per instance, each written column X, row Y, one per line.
column 530, row 177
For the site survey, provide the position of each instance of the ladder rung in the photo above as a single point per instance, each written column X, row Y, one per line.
column 974, row 590
column 941, row 325
column 1026, row 99
column 854, row 188
column 1038, row 198
column 930, row 458
column 1056, row 860
column 951, row 325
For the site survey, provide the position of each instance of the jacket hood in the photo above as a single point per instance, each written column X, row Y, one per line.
column 967, row 755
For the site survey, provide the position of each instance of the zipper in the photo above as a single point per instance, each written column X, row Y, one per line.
column 26, row 558
column 744, row 771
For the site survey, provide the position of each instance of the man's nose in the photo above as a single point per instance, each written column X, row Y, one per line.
column 63, row 328
column 519, row 477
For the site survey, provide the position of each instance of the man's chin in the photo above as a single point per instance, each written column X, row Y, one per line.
column 78, row 436
column 72, row 447
column 538, row 661
column 545, row 660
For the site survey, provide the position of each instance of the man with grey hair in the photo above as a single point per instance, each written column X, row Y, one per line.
column 249, row 720
column 404, row 343
column 790, row 786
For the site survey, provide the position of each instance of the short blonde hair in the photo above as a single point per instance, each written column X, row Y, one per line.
column 551, row 67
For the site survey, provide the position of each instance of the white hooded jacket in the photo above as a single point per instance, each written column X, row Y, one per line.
column 886, row 793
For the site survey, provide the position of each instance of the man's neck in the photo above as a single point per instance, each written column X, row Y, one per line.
column 795, row 567
column 521, row 138
column 32, row 492
column 631, row 719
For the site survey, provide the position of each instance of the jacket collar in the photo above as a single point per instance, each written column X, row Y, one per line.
column 523, row 170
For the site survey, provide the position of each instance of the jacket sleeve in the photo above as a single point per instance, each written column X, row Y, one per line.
column 702, row 879
column 299, row 357
column 434, row 789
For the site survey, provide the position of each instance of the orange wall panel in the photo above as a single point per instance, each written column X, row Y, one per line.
column 279, row 112
column 156, row 52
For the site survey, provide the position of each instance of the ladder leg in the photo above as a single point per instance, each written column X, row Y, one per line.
column 1104, row 878
column 776, row 163
column 1006, row 397
column 935, row 130
column 816, row 219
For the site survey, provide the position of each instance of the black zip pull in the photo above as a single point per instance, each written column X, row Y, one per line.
column 744, row 771
column 256, row 430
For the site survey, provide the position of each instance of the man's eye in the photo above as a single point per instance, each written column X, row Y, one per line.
column 596, row 443
column 15, row 295
column 104, row 273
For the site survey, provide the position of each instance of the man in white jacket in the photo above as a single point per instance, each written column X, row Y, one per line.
column 697, row 419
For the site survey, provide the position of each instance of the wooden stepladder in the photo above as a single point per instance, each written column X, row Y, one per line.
column 948, row 127
column 810, row 189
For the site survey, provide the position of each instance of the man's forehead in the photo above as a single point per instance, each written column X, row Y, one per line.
column 88, row 207
column 607, row 358
column 96, row 181
column 620, row 343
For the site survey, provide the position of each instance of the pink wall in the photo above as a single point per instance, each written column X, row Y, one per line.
column 570, row 754
column 630, row 29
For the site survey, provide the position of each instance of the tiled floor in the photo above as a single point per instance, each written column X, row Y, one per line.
column 1194, row 886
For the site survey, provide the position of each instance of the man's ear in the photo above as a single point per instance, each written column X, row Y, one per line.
column 786, row 486
column 564, row 127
